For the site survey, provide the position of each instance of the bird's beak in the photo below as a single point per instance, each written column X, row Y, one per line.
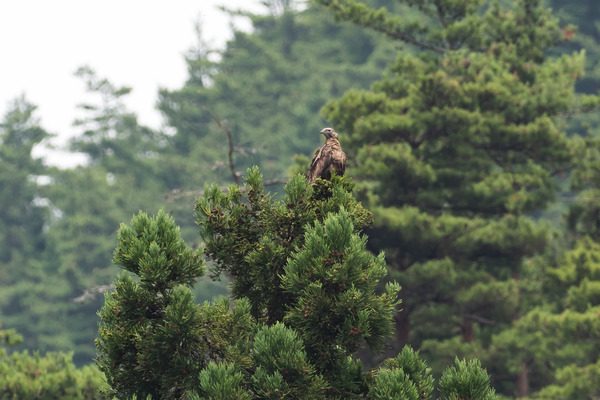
column 322, row 132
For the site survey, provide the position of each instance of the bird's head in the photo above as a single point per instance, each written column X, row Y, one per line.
column 329, row 133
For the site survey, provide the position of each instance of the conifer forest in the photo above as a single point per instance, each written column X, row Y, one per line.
column 458, row 257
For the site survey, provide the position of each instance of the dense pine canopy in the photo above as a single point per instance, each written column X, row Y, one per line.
column 471, row 132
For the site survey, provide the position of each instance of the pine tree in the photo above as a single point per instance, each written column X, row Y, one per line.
column 558, row 338
column 304, row 301
column 112, row 137
column 151, row 342
column 580, row 24
column 456, row 147
column 23, row 216
column 266, row 88
column 52, row 376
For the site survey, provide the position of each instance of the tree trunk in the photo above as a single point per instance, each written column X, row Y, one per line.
column 523, row 375
column 523, row 382
column 466, row 330
column 402, row 328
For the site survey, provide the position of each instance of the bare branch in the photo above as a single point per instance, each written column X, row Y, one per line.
column 575, row 111
column 90, row 294
column 440, row 13
column 272, row 182
column 223, row 125
column 481, row 320
column 245, row 150
column 577, row 199
column 218, row 165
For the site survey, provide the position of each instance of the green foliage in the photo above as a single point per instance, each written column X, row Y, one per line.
column 558, row 340
column 253, row 240
column 460, row 143
column 153, row 250
column 52, row 376
column 569, row 364
column 457, row 146
column 22, row 218
column 221, row 381
column 282, row 366
column 334, row 268
column 279, row 261
column 573, row 382
column 88, row 208
column 86, row 205
column 26, row 288
column 268, row 73
column 266, row 88
column 406, row 376
column 466, row 380
column 151, row 341
column 112, row 136
column 62, row 222
column 321, row 283
column 416, row 369
column 393, row 384
column 10, row 337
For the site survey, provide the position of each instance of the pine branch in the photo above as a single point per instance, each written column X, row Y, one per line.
column 377, row 20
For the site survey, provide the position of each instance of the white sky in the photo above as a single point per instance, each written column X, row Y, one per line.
column 135, row 43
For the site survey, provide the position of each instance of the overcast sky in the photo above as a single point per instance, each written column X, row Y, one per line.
column 137, row 43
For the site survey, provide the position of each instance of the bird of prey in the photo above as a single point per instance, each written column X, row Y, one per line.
column 329, row 157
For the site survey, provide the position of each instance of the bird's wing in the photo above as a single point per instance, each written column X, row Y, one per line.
column 340, row 160
column 320, row 163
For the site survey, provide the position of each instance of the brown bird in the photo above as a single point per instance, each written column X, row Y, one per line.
column 329, row 157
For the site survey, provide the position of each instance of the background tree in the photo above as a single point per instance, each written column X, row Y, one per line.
column 52, row 376
column 579, row 20
column 558, row 338
column 59, row 226
column 24, row 215
column 570, row 279
column 457, row 148
column 122, row 177
column 266, row 87
column 111, row 136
